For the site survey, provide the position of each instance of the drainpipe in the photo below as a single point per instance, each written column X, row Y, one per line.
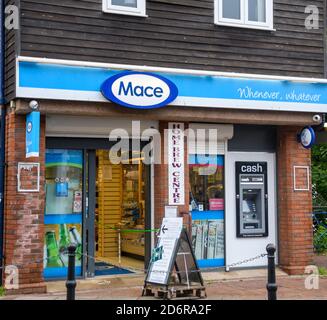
column 2, row 137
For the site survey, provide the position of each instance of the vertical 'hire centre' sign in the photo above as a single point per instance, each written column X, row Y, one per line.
column 176, row 183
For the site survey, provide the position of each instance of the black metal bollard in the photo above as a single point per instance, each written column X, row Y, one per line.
column 271, row 285
column 71, row 282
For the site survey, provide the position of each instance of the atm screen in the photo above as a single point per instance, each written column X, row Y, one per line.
column 249, row 206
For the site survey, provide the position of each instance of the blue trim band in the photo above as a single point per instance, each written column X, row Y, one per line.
column 63, row 218
column 210, row 263
column 60, row 272
column 208, row 215
column 217, row 160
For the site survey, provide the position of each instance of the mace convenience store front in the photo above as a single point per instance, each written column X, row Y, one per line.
column 250, row 188
column 120, row 197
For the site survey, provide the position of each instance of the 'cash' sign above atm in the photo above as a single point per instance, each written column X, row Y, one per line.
column 139, row 90
column 252, row 168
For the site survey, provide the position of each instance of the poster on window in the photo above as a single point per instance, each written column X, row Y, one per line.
column 57, row 239
column 63, row 182
column 208, row 242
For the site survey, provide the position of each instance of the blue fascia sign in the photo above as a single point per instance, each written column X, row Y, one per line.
column 139, row 90
column 146, row 90
column 33, row 134
column 307, row 137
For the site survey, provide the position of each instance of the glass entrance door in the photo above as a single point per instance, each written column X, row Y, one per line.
column 63, row 211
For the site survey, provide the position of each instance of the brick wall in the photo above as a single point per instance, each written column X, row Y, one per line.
column 24, row 212
column 294, row 207
column 161, row 182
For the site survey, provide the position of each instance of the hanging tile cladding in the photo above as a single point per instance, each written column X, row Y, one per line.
column 176, row 33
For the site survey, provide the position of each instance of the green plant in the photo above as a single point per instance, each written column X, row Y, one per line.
column 319, row 169
column 320, row 239
column 2, row 291
column 322, row 271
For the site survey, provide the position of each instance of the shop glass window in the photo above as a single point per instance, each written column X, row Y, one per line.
column 206, row 184
column 206, row 178
column 63, row 210
column 129, row 7
column 244, row 13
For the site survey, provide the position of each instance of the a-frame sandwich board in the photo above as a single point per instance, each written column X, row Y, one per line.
column 177, row 275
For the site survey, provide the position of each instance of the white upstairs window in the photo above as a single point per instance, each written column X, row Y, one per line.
column 257, row 14
column 129, row 7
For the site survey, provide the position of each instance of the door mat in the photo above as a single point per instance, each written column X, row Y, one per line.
column 106, row 269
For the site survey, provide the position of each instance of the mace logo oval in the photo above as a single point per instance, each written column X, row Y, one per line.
column 139, row 90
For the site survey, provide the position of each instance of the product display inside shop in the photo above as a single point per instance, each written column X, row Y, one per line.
column 207, row 209
column 120, row 210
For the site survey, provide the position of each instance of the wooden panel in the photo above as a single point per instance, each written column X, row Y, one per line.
column 176, row 33
column 109, row 205
column 11, row 51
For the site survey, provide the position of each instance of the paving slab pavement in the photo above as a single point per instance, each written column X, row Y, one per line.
column 130, row 288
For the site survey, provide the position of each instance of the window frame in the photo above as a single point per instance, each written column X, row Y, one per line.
column 244, row 22
column 140, row 10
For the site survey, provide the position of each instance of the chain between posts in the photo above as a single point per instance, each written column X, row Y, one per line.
column 262, row 255
column 110, row 265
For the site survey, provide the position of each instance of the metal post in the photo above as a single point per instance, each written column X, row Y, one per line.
column 119, row 247
column 271, row 285
column 71, row 282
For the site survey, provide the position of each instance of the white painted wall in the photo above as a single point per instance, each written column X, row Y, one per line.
column 242, row 248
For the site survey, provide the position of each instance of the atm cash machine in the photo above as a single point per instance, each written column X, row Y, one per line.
column 251, row 199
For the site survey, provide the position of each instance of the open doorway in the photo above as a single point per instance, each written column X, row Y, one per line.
column 120, row 214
